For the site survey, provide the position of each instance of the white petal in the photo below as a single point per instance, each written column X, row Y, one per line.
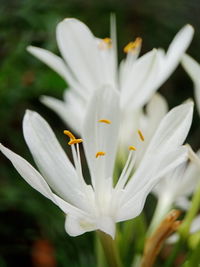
column 177, row 48
column 100, row 136
column 51, row 159
column 183, row 203
column 78, row 225
column 34, row 179
column 193, row 69
column 106, row 225
column 68, row 113
column 156, row 109
column 79, row 49
column 30, row 174
column 142, row 74
column 173, row 129
column 195, row 225
column 54, row 62
column 142, row 182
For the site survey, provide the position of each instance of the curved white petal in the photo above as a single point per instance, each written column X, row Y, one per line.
column 100, row 136
column 78, row 47
column 34, row 179
column 54, row 62
column 140, row 80
column 78, row 225
column 173, row 129
column 68, row 113
column 30, row 174
column 176, row 49
column 51, row 159
column 193, row 69
column 142, row 182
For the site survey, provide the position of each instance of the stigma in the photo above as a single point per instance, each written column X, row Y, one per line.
column 69, row 134
column 133, row 46
column 75, row 141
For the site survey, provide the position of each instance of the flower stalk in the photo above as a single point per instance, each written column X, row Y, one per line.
column 155, row 242
column 195, row 205
column 110, row 250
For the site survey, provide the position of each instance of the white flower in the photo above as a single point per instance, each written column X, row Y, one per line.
column 101, row 204
column 174, row 189
column 193, row 69
column 90, row 63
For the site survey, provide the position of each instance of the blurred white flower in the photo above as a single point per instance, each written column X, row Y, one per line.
column 101, row 204
column 89, row 63
column 175, row 188
column 193, row 69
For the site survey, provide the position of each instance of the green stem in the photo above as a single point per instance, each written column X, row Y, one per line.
column 163, row 206
column 110, row 250
column 184, row 229
column 100, row 257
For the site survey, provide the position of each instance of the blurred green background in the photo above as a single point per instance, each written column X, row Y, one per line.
column 31, row 228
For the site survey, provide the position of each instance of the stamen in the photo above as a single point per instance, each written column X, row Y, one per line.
column 132, row 46
column 69, row 134
column 100, row 153
column 75, row 141
column 141, row 135
column 105, row 43
column 105, row 121
column 132, row 148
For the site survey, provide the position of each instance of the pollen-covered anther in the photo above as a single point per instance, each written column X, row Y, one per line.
column 105, row 121
column 105, row 43
column 100, row 153
column 141, row 135
column 75, row 141
column 69, row 134
column 132, row 148
column 133, row 46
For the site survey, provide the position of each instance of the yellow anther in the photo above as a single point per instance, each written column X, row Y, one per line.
column 105, row 121
column 132, row 148
column 141, row 135
column 75, row 141
column 100, row 153
column 69, row 134
column 132, row 46
column 105, row 43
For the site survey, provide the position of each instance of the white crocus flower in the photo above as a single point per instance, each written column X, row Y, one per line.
column 101, row 204
column 90, row 63
column 193, row 69
column 174, row 189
